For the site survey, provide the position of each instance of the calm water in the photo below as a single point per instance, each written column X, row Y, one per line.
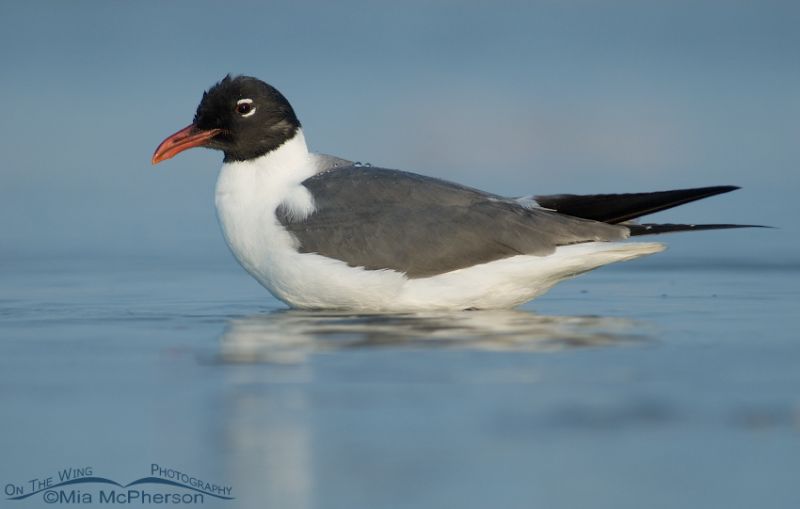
column 635, row 386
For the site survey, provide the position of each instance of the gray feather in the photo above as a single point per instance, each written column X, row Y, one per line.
column 327, row 162
column 387, row 219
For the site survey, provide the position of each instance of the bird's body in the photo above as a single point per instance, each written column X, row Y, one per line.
column 250, row 193
column 321, row 232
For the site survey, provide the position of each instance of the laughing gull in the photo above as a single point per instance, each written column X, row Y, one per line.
column 323, row 232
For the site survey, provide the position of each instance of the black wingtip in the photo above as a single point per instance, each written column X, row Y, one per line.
column 656, row 229
column 698, row 193
column 618, row 208
column 721, row 189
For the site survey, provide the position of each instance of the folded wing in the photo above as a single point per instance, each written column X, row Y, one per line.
column 386, row 219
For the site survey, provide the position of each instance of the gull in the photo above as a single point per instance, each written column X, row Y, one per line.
column 323, row 232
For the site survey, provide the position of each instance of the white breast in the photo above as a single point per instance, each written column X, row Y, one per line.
column 248, row 193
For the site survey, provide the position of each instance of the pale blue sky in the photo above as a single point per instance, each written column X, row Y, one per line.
column 513, row 97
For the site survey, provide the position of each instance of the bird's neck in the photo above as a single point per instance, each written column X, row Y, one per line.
column 293, row 153
column 290, row 162
column 270, row 180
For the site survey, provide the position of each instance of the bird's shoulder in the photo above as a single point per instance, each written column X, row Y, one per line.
column 341, row 182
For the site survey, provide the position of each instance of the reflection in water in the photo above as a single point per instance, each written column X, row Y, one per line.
column 295, row 435
column 290, row 336
column 268, row 444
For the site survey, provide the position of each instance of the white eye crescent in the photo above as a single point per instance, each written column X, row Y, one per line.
column 245, row 108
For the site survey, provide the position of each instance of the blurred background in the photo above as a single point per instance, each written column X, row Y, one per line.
column 512, row 97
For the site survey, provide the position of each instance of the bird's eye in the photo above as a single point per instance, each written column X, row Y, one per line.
column 245, row 108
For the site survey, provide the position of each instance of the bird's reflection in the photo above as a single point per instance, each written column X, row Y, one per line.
column 293, row 436
column 290, row 336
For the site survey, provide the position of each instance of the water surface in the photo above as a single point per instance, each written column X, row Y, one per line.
column 635, row 386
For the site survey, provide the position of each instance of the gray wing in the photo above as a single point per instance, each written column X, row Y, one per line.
column 388, row 219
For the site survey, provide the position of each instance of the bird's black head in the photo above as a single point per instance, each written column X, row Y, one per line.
column 241, row 116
